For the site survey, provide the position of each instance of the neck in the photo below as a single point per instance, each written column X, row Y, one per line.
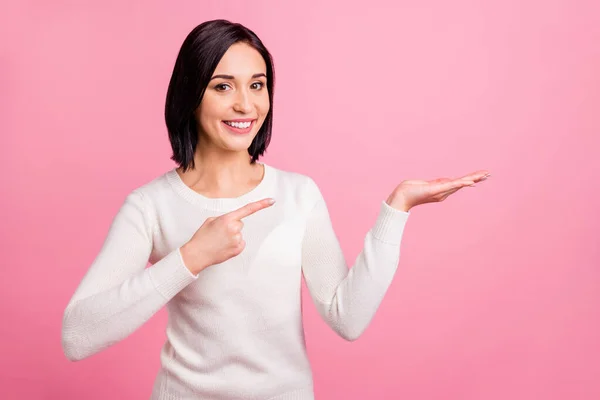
column 220, row 174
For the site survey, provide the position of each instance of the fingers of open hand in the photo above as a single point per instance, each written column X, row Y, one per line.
column 475, row 176
column 444, row 195
column 451, row 187
column 440, row 180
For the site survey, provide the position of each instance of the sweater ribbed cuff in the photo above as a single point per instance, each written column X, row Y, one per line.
column 170, row 275
column 390, row 224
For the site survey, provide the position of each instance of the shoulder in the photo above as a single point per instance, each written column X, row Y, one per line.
column 147, row 196
column 302, row 185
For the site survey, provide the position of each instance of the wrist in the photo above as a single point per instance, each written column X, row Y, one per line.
column 190, row 260
column 398, row 204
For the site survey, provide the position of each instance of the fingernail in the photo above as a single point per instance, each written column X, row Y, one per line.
column 271, row 201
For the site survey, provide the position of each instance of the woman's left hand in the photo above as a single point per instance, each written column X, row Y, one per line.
column 414, row 192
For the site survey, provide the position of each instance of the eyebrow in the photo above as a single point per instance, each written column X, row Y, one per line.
column 232, row 77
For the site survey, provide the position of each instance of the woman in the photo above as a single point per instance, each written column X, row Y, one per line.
column 225, row 259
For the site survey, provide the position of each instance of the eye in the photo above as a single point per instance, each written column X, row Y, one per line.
column 260, row 85
column 221, row 87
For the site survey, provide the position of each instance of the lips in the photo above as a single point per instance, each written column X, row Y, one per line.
column 240, row 120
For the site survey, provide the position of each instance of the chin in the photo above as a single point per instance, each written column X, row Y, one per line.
column 237, row 144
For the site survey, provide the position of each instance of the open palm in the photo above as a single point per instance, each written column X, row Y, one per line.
column 410, row 193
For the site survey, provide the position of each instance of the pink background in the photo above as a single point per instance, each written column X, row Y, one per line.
column 498, row 290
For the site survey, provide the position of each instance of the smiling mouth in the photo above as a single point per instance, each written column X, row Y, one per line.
column 239, row 126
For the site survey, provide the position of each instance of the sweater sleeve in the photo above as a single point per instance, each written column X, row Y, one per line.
column 118, row 293
column 347, row 299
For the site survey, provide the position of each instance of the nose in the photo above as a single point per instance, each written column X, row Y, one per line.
column 242, row 102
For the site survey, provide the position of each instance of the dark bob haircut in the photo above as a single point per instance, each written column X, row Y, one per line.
column 198, row 57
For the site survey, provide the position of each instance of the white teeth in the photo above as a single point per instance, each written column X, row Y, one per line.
column 240, row 125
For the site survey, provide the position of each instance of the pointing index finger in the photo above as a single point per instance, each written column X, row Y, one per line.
column 251, row 208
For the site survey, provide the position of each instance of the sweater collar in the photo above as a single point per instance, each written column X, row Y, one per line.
column 222, row 203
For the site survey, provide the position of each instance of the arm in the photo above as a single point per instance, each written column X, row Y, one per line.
column 348, row 299
column 118, row 293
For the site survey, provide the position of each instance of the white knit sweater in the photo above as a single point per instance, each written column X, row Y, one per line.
column 235, row 329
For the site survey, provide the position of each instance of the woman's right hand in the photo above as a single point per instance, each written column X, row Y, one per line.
column 219, row 238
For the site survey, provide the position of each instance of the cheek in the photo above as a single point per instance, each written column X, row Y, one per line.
column 263, row 105
column 210, row 112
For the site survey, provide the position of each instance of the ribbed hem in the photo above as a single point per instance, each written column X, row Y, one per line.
column 390, row 224
column 298, row 394
column 306, row 393
column 170, row 275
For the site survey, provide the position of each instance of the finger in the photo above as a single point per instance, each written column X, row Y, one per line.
column 237, row 238
column 439, row 180
column 451, row 185
column 250, row 208
column 448, row 193
column 475, row 176
column 235, row 225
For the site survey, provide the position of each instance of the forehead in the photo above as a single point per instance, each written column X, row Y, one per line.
column 241, row 60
